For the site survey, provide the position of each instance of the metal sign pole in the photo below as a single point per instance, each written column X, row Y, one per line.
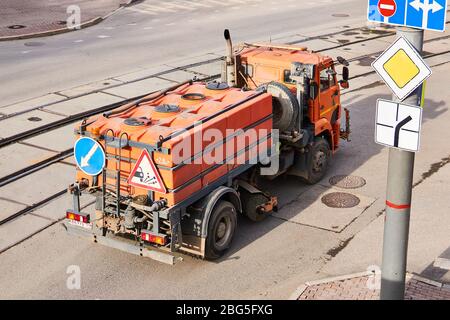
column 398, row 201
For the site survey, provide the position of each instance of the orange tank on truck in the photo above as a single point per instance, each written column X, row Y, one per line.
column 176, row 167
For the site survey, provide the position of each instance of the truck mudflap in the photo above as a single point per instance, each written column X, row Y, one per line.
column 83, row 230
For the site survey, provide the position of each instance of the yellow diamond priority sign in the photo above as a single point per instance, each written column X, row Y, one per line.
column 402, row 68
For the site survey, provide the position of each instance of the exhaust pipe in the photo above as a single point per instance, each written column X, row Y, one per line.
column 230, row 76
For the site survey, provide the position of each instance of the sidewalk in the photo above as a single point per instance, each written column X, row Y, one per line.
column 365, row 286
column 21, row 19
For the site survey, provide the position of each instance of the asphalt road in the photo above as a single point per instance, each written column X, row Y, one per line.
column 268, row 259
column 151, row 33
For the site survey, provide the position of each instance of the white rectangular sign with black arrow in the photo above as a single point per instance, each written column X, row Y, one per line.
column 398, row 125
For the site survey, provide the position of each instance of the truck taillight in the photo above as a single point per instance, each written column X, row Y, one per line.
column 150, row 237
column 77, row 217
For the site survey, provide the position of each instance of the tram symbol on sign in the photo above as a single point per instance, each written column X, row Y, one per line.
column 398, row 125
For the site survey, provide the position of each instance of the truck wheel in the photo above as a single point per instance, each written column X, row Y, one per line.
column 318, row 160
column 221, row 227
column 285, row 106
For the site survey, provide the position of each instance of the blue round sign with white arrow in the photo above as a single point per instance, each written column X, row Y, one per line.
column 89, row 156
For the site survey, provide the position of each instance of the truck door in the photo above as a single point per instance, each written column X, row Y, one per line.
column 329, row 93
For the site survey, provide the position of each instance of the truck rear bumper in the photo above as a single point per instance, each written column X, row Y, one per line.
column 122, row 244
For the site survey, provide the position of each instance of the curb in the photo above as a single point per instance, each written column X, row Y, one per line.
column 83, row 25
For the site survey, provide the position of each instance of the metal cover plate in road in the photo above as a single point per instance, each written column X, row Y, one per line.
column 423, row 14
column 89, row 156
column 402, row 68
column 398, row 125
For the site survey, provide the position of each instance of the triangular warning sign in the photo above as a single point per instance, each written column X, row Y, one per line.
column 145, row 175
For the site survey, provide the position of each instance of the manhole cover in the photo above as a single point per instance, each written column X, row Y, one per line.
column 34, row 119
column 34, row 44
column 16, row 26
column 340, row 200
column 340, row 15
column 347, row 182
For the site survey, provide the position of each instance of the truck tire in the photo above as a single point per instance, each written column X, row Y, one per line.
column 318, row 160
column 285, row 106
column 221, row 228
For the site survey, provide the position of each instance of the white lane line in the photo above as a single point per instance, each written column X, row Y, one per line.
column 102, row 36
column 79, row 40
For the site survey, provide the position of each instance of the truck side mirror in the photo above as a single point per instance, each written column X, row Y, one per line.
column 313, row 90
column 345, row 74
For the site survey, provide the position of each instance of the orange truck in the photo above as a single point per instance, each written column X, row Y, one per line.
column 171, row 171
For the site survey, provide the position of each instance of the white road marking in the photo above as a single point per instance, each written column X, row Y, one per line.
column 78, row 41
column 387, row 6
column 103, row 36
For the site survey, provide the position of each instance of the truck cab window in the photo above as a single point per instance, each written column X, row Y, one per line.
column 287, row 77
column 327, row 80
column 248, row 70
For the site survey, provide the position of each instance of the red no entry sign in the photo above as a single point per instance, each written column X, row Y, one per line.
column 387, row 8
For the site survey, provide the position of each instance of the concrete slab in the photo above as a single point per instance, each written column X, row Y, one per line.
column 207, row 69
column 26, row 121
column 95, row 86
column 56, row 210
column 179, row 76
column 148, row 72
column 140, row 87
column 309, row 210
column 8, row 208
column 437, row 46
column 17, row 156
column 177, row 63
column 39, row 185
column 317, row 44
column 28, row 104
column 84, row 103
column 59, row 140
column 20, row 229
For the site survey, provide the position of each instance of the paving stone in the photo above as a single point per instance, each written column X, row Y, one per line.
column 84, row 103
column 14, row 125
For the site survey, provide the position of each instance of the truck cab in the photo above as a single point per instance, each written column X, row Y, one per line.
column 263, row 63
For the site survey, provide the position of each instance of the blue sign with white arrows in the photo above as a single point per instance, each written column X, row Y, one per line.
column 89, row 156
column 422, row 14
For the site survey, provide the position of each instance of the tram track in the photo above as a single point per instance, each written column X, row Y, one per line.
column 79, row 116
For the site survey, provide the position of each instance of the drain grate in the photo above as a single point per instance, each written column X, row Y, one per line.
column 340, row 200
column 347, row 182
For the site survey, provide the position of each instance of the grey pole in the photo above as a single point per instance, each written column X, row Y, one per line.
column 398, row 201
